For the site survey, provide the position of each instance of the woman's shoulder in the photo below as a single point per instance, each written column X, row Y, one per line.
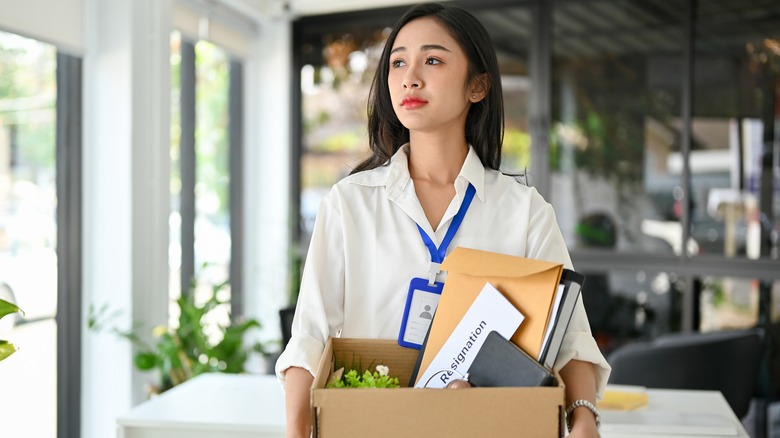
column 357, row 185
column 510, row 183
column 366, row 178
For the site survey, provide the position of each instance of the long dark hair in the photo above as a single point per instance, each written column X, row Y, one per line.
column 485, row 120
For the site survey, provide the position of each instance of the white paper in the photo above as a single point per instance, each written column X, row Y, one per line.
column 551, row 319
column 490, row 311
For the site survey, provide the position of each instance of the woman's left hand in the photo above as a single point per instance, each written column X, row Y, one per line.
column 586, row 429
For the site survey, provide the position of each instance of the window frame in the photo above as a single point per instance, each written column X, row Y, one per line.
column 69, row 154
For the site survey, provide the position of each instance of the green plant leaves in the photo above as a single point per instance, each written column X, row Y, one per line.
column 7, row 308
column 351, row 379
column 146, row 360
column 6, row 349
column 185, row 351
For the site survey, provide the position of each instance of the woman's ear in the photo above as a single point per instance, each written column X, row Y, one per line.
column 479, row 88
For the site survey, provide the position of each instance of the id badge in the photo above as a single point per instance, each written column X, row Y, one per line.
column 421, row 303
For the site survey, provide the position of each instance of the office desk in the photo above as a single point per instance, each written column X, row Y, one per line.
column 243, row 406
column 675, row 413
column 211, row 406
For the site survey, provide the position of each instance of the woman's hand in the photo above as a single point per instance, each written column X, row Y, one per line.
column 583, row 424
column 580, row 380
column 297, row 402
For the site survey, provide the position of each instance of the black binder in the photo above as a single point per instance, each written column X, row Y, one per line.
column 572, row 282
column 500, row 362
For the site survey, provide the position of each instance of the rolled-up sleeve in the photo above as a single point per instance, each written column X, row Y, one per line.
column 578, row 344
column 319, row 312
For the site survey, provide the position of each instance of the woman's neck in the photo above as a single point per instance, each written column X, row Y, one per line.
column 436, row 159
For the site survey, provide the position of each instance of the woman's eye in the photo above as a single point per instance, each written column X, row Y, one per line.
column 432, row 61
column 397, row 63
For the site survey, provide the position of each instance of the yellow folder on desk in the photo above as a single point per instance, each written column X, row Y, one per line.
column 528, row 284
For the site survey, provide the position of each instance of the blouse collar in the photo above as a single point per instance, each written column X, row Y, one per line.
column 395, row 175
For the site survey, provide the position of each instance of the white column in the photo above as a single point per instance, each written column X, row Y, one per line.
column 267, row 183
column 126, row 195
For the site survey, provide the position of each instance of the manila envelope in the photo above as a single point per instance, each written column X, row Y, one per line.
column 529, row 284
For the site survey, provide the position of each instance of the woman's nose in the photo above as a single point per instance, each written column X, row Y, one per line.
column 411, row 84
column 411, row 79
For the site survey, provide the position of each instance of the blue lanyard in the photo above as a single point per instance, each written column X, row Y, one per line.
column 437, row 254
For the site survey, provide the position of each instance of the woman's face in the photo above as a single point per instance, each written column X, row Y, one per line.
column 427, row 78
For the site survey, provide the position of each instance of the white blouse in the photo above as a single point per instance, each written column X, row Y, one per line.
column 366, row 248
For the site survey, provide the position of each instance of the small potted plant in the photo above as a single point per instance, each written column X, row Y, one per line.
column 354, row 378
column 189, row 349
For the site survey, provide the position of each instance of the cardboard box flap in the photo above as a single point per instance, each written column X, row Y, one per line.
column 486, row 264
column 528, row 284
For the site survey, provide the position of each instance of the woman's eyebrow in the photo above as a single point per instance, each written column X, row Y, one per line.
column 428, row 47
column 424, row 48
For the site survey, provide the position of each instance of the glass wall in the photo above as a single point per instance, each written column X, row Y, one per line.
column 622, row 181
column 615, row 124
column 28, row 235
column 663, row 125
column 736, row 130
column 735, row 156
column 511, row 30
column 337, row 66
column 200, row 174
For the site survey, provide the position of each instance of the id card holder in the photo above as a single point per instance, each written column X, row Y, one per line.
column 421, row 303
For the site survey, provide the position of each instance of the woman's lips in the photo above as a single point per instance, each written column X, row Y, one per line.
column 413, row 102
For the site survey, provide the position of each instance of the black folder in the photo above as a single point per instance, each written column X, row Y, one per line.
column 500, row 362
column 572, row 284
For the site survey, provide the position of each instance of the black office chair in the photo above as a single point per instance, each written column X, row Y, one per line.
column 286, row 319
column 726, row 361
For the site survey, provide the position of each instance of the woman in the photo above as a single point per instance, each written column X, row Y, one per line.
column 435, row 128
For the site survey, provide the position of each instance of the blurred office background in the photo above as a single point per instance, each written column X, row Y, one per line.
column 144, row 143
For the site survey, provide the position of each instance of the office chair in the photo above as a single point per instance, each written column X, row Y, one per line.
column 286, row 319
column 726, row 361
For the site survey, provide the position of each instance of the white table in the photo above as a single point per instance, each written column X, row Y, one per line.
column 243, row 406
column 211, row 406
column 672, row 413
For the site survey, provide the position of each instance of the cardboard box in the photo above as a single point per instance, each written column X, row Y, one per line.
column 412, row 412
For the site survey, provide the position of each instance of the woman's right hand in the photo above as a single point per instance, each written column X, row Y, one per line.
column 297, row 393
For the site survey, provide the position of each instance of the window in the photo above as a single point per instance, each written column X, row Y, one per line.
column 736, row 137
column 661, row 158
column 28, row 233
column 615, row 123
column 201, row 175
column 635, row 174
column 337, row 61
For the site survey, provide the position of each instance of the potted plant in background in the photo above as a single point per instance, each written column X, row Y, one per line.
column 193, row 346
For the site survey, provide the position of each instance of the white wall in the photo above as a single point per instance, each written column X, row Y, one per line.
column 267, row 171
column 59, row 22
